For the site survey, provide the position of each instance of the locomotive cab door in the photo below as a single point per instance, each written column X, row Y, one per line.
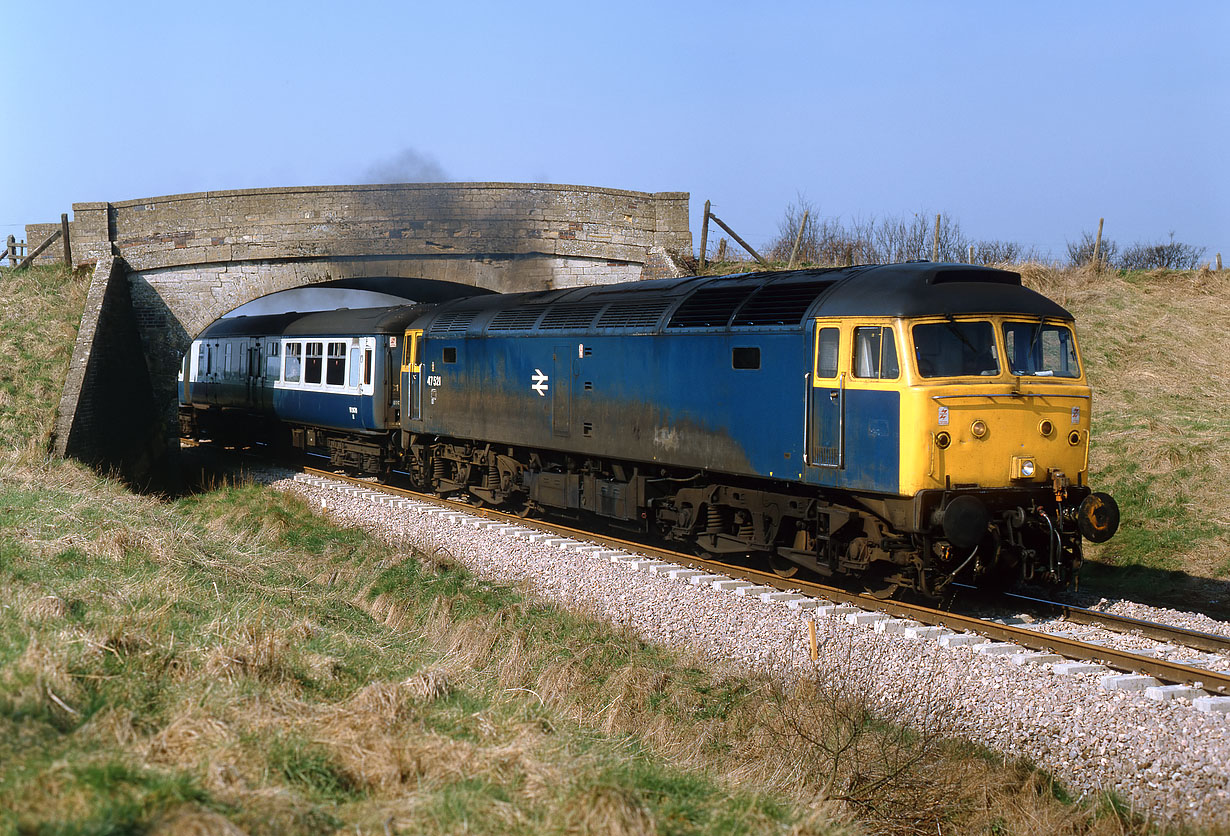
column 825, row 430
column 412, row 372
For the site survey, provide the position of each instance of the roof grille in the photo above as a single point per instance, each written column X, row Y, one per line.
column 516, row 319
column 453, row 322
column 780, row 304
column 576, row 315
column 709, row 308
column 634, row 314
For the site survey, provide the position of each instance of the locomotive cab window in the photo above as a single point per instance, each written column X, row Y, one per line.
column 955, row 349
column 1041, row 350
column 875, row 353
column 745, row 358
column 827, row 342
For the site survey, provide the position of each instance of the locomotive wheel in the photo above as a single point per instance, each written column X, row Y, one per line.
column 882, row 582
column 782, row 567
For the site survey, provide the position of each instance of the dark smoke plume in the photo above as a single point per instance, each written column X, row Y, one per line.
column 409, row 166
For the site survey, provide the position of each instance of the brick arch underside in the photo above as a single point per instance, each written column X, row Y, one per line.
column 172, row 305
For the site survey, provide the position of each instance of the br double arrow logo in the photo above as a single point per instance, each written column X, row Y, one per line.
column 540, row 383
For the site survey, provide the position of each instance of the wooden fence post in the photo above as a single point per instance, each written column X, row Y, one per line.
column 10, row 251
column 721, row 253
column 971, row 253
column 704, row 236
column 738, row 240
column 1097, row 248
column 935, row 241
column 68, row 250
column 1219, row 262
column 797, row 240
column 29, row 259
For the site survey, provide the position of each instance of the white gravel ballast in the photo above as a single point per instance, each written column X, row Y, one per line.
column 1163, row 755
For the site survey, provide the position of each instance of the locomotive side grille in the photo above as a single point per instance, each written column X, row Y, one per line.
column 516, row 319
column 453, row 322
column 633, row 314
column 709, row 308
column 782, row 304
column 577, row 315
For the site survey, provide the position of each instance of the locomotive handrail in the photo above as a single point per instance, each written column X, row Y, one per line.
column 1008, row 395
column 807, row 420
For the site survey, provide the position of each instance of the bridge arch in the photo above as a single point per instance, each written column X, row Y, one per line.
column 169, row 266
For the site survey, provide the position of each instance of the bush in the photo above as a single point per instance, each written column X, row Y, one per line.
column 1080, row 252
column 1170, row 255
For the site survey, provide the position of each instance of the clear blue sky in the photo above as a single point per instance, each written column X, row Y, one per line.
column 1023, row 121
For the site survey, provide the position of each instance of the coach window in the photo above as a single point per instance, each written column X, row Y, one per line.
column 226, row 366
column 314, row 360
column 367, row 366
column 826, row 352
column 355, row 368
column 273, row 362
column 294, row 360
column 335, row 367
column 875, row 353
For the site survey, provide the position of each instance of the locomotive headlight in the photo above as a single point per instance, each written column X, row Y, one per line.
column 1074, row 437
column 1023, row 467
column 1027, row 468
column 978, row 429
column 1046, row 428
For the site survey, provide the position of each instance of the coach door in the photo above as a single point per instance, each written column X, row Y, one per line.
column 254, row 369
column 826, row 428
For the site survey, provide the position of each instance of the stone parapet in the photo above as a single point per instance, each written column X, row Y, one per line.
column 414, row 219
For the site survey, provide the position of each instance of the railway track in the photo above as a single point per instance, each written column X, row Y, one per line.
column 1030, row 640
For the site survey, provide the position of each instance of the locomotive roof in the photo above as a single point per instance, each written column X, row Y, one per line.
column 781, row 300
column 386, row 320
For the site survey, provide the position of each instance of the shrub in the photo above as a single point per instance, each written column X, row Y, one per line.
column 1169, row 255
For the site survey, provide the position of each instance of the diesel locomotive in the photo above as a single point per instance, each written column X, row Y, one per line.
column 905, row 425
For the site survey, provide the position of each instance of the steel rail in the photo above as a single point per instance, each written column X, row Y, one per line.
column 1197, row 639
column 1122, row 660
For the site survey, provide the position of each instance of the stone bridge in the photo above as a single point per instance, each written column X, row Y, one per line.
column 167, row 267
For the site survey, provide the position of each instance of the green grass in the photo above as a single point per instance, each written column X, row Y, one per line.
column 236, row 654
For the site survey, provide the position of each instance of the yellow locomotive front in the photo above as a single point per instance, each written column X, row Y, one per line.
column 995, row 418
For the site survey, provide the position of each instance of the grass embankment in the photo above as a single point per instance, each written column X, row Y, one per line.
column 232, row 659
column 1154, row 346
